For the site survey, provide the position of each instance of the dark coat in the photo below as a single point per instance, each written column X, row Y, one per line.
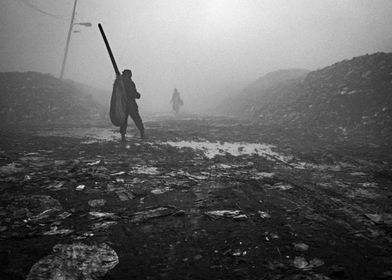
column 130, row 89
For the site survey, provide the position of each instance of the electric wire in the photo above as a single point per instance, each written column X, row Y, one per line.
column 37, row 9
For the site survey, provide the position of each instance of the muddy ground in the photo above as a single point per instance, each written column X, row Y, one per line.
column 308, row 208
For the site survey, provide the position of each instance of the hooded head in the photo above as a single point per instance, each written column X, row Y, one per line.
column 127, row 73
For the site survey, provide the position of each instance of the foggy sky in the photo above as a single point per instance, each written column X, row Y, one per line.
column 198, row 46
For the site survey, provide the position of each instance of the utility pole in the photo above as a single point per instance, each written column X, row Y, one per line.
column 68, row 40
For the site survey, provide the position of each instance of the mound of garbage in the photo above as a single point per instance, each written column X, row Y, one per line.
column 347, row 97
column 34, row 98
column 258, row 92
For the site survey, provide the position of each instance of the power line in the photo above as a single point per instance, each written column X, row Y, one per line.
column 37, row 9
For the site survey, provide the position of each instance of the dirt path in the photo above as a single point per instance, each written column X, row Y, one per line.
column 300, row 209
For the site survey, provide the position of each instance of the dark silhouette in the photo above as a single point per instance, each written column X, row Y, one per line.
column 131, row 107
column 176, row 101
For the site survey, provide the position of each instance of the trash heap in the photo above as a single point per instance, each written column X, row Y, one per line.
column 346, row 98
column 31, row 97
column 250, row 97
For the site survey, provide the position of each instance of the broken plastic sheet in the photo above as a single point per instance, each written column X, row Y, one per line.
column 145, row 170
column 75, row 262
column 10, row 169
column 380, row 218
column 97, row 202
column 233, row 214
column 153, row 213
column 281, row 186
column 302, row 263
column 34, row 208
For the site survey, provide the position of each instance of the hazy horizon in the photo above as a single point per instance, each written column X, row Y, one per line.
column 200, row 47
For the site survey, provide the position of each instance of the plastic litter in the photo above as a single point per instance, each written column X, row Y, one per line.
column 147, row 170
column 118, row 173
column 56, row 185
column 301, row 246
column 124, row 195
column 10, row 169
column 99, row 215
column 262, row 175
column 102, row 225
column 94, row 163
column 152, row 213
column 241, row 217
column 160, row 191
column 80, row 187
column 233, row 214
column 33, row 209
column 56, row 231
column 75, row 262
column 302, row 263
column 282, row 186
column 384, row 218
column 97, row 202
column 264, row 215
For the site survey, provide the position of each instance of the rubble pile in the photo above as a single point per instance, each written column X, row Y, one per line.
column 346, row 98
column 32, row 97
column 258, row 91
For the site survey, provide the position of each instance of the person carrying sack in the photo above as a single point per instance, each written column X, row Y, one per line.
column 132, row 109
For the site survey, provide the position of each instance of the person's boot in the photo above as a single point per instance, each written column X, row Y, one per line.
column 142, row 135
column 123, row 140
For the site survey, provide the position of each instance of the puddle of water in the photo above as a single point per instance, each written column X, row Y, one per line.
column 211, row 149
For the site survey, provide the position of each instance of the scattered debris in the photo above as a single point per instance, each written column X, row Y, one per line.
column 75, row 261
column 262, row 175
column 118, row 173
column 301, row 246
column 56, row 185
column 264, row 215
column 302, row 263
column 80, row 187
column 160, row 190
column 147, row 170
column 233, row 214
column 94, row 163
column 104, row 215
column 241, row 217
column 384, row 218
column 124, row 195
column 97, row 202
column 56, row 231
column 112, row 177
column 10, row 169
column 282, row 186
column 152, row 213
column 102, row 225
column 239, row 253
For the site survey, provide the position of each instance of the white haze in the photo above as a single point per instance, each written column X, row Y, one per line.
column 198, row 46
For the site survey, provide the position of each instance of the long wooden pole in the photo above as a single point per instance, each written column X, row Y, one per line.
column 109, row 50
column 68, row 40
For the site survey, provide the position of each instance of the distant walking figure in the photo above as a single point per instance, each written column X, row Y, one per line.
column 176, row 101
column 131, row 107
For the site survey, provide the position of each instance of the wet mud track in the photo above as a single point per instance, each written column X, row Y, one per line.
column 305, row 209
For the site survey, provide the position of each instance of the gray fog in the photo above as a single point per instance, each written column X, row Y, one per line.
column 201, row 47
